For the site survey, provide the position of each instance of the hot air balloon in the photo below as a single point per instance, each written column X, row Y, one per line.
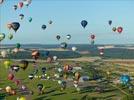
column 35, row 54
column 7, row 63
column 74, row 48
column 22, row 98
column 40, row 88
column 10, row 76
column 50, row 22
column 77, row 76
column 15, row 26
column 15, row 7
column 84, row 23
column 17, row 82
column 55, row 58
column 13, row 92
column 9, row 26
column 68, row 36
column 20, row 4
column 31, row 76
column 44, row 27
column 63, row 45
column 43, row 69
column 10, row 36
column 58, row 37
column 1, row 1
column 27, row 2
column 4, row 53
column 18, row 45
column 24, row 64
column 21, row 16
column 114, row 29
column 49, row 59
column 110, row 22
column 125, row 79
column 92, row 36
column 46, row 53
column 119, row 29
column 30, row 19
column 15, row 68
column 2, row 36
column 8, row 89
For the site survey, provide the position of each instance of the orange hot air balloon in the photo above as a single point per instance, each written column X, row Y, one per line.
column 77, row 76
column 35, row 54
column 10, row 76
column 9, row 26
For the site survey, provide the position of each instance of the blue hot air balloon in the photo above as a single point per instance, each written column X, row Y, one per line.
column 84, row 23
column 125, row 79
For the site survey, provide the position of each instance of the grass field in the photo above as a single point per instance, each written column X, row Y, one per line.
column 52, row 88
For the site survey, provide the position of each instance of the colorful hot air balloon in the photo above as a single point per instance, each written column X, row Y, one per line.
column 84, row 23
column 8, row 89
column 55, row 58
column 24, row 64
column 30, row 19
column 40, row 88
column 63, row 45
column 15, row 7
column 77, row 76
column 22, row 98
column 10, row 76
column 35, row 54
column 125, row 79
column 15, row 26
column 44, row 27
column 74, row 48
column 58, row 37
column 2, row 36
column 110, row 22
column 4, row 53
column 50, row 22
column 92, row 36
column 15, row 68
column 21, row 16
column 114, row 29
column 9, row 26
column 1, row 1
column 31, row 76
column 18, row 45
column 119, row 29
column 68, row 36
column 20, row 4
column 7, row 63
column 10, row 36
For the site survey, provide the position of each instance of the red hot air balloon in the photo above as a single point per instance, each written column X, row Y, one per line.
column 119, row 29
column 10, row 76
column 17, row 82
column 92, row 36
column 20, row 4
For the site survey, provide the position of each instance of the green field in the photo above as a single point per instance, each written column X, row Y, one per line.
column 52, row 88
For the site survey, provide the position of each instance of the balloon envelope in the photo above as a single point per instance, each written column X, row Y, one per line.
column 15, row 26
column 84, row 23
column 44, row 27
column 2, row 36
column 119, row 29
column 110, row 22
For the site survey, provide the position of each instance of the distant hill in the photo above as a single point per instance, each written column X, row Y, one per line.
column 110, row 51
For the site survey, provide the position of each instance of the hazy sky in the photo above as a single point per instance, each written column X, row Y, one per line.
column 66, row 16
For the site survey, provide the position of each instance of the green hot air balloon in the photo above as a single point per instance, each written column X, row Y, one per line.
column 18, row 45
column 2, row 36
column 10, row 36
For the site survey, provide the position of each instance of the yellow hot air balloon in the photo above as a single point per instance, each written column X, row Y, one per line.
column 7, row 63
column 22, row 98
column 8, row 89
